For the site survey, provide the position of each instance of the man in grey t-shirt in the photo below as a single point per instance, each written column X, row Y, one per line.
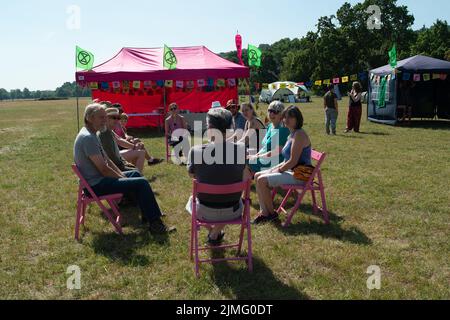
column 88, row 145
column 103, row 175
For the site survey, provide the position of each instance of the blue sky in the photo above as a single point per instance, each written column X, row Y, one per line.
column 37, row 47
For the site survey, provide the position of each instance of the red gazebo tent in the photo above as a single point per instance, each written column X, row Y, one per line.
column 136, row 79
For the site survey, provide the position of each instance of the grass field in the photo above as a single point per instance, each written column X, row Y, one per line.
column 388, row 192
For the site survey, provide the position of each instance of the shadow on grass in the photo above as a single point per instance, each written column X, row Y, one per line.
column 426, row 124
column 236, row 282
column 374, row 133
column 334, row 230
column 122, row 248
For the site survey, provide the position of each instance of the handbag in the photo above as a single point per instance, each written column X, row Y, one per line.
column 303, row 173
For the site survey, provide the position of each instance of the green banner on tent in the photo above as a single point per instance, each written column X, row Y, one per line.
column 382, row 93
column 84, row 59
column 169, row 58
column 254, row 56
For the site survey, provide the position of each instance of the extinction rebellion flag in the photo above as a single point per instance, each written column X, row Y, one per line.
column 84, row 59
column 170, row 60
column 254, row 56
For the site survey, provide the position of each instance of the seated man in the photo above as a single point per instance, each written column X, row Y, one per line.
column 110, row 146
column 218, row 163
column 103, row 175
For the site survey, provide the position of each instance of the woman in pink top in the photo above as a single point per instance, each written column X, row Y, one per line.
column 173, row 123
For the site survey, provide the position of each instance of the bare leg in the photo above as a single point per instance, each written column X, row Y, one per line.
column 215, row 231
column 264, row 196
column 136, row 157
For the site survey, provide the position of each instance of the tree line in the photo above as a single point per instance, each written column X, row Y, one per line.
column 67, row 90
column 344, row 45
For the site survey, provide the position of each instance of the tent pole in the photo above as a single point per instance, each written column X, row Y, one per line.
column 78, row 106
column 165, row 108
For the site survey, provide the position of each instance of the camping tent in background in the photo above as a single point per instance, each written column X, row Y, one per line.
column 286, row 91
column 136, row 79
column 430, row 93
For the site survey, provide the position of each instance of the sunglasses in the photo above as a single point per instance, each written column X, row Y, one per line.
column 115, row 118
column 173, row 109
column 274, row 112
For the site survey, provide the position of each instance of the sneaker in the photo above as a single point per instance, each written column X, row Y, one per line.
column 154, row 161
column 346, row 131
column 218, row 241
column 158, row 227
column 264, row 219
column 145, row 220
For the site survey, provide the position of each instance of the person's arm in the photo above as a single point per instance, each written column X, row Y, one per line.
column 104, row 167
column 124, row 143
column 296, row 153
column 325, row 102
column 336, row 105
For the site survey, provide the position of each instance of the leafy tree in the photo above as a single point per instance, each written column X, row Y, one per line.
column 434, row 41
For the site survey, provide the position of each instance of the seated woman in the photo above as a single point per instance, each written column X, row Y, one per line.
column 174, row 122
column 253, row 125
column 209, row 164
column 296, row 152
column 121, row 128
column 274, row 141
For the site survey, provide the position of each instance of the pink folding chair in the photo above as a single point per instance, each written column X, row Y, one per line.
column 168, row 150
column 85, row 199
column 314, row 184
column 244, row 222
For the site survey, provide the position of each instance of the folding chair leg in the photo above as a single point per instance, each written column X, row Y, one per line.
column 111, row 219
column 77, row 222
column 325, row 214
column 294, row 210
column 285, row 200
column 197, row 263
column 193, row 228
column 324, row 207
column 115, row 210
column 314, row 200
column 250, row 248
column 241, row 240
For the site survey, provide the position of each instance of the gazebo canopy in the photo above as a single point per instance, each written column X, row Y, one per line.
column 416, row 64
column 133, row 64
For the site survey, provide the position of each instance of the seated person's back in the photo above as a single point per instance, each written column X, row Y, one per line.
column 225, row 171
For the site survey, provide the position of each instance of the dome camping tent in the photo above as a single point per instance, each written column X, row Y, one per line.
column 136, row 79
column 430, row 89
column 285, row 91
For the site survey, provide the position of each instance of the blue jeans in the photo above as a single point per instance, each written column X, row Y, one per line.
column 331, row 116
column 135, row 185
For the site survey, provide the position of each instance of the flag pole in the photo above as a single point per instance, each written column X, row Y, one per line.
column 78, row 105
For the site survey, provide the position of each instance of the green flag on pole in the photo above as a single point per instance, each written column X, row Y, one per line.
column 84, row 59
column 393, row 57
column 254, row 56
column 169, row 58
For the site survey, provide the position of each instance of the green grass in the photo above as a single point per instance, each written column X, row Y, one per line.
column 388, row 192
